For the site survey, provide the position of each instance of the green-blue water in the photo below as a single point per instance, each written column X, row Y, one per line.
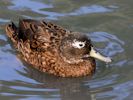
column 109, row 23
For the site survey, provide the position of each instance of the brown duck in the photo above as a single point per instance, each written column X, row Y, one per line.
column 53, row 49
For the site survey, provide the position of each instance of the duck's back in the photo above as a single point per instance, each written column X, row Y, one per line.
column 38, row 33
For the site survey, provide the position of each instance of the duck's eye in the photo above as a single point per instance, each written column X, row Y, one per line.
column 78, row 44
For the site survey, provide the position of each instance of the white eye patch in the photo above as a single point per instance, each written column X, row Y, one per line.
column 78, row 44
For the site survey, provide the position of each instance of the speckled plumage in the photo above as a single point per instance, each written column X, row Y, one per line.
column 40, row 42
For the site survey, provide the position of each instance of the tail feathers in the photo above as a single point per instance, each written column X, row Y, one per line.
column 12, row 32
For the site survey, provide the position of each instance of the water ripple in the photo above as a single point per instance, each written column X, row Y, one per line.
column 3, row 20
column 38, row 6
column 32, row 89
column 102, row 82
column 114, row 44
column 28, row 4
column 91, row 9
column 119, row 92
column 3, row 37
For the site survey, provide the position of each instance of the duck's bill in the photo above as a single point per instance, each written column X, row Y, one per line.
column 95, row 54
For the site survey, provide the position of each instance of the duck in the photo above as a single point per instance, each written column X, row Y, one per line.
column 53, row 49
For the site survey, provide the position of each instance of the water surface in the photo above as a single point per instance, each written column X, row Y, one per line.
column 108, row 23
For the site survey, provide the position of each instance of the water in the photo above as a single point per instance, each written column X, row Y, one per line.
column 109, row 24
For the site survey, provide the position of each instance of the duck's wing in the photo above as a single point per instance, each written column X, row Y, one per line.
column 40, row 34
column 29, row 29
column 35, row 33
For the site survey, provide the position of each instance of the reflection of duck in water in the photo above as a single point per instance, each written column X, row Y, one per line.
column 52, row 49
column 57, row 87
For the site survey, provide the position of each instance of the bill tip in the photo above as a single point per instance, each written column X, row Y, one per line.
column 108, row 60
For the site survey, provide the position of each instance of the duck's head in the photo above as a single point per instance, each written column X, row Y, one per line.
column 77, row 47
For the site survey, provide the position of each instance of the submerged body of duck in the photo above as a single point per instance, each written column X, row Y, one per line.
column 53, row 49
